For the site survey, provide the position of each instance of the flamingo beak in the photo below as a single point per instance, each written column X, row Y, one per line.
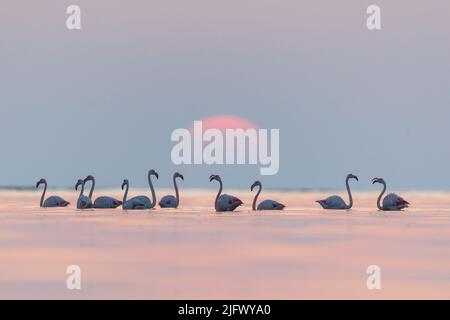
column 123, row 185
column 252, row 187
column 356, row 178
column 211, row 178
column 156, row 175
column 181, row 176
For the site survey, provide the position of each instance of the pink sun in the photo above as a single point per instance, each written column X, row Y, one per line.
column 224, row 122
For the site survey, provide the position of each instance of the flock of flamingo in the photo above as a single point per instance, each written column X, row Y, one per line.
column 223, row 202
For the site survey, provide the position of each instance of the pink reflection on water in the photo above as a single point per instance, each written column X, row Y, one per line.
column 303, row 252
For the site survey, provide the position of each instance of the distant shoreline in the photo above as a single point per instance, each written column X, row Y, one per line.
column 293, row 190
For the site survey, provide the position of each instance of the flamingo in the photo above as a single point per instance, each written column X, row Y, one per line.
column 102, row 202
column 336, row 202
column 83, row 201
column 391, row 202
column 224, row 202
column 170, row 201
column 150, row 204
column 52, row 201
column 266, row 204
column 140, row 202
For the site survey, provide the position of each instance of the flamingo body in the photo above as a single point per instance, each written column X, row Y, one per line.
column 168, row 202
column 104, row 202
column 270, row 205
column 333, row 202
column 227, row 203
column 55, row 201
column 142, row 200
column 393, row 202
column 84, row 202
column 137, row 203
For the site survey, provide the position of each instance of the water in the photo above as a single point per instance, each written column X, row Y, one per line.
column 192, row 253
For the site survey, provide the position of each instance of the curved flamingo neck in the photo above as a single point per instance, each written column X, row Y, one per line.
column 380, row 196
column 91, row 192
column 43, row 194
column 350, row 204
column 218, row 193
column 256, row 197
column 125, row 194
column 152, row 189
column 177, row 194
column 82, row 190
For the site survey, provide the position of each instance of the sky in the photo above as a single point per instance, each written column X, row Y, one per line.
column 105, row 99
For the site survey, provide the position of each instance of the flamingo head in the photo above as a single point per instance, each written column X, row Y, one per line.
column 42, row 180
column 124, row 183
column 214, row 177
column 256, row 183
column 79, row 182
column 378, row 180
column 154, row 173
column 352, row 176
column 178, row 175
column 88, row 178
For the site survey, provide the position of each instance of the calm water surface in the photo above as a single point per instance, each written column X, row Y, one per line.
column 192, row 253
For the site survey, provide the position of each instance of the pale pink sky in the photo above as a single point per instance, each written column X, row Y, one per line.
column 139, row 69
